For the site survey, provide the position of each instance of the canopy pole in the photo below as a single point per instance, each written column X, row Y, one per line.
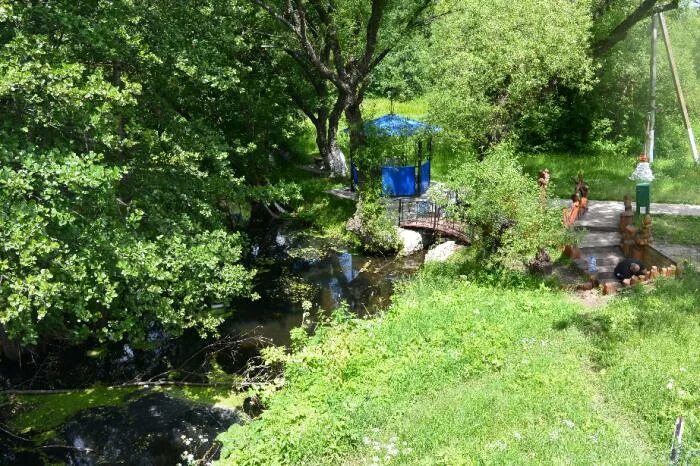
column 679, row 91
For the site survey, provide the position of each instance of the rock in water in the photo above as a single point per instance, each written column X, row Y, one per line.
column 411, row 241
column 442, row 252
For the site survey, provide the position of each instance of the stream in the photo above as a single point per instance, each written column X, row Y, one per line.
column 297, row 273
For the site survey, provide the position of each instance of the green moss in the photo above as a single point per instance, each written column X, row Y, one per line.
column 40, row 414
column 219, row 397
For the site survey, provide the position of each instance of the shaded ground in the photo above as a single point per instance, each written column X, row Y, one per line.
column 145, row 429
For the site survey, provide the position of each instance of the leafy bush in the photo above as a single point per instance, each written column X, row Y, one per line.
column 507, row 217
column 372, row 224
column 72, row 265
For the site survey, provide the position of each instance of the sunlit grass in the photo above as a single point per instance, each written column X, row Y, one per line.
column 678, row 229
column 677, row 180
column 472, row 368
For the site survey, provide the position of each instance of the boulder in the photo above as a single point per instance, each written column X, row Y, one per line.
column 442, row 252
column 411, row 241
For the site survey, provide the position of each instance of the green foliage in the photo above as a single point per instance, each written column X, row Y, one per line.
column 508, row 218
column 127, row 138
column 456, row 372
column 621, row 99
column 402, row 75
column 374, row 226
column 498, row 66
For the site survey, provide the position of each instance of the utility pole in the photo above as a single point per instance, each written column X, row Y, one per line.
column 651, row 136
column 679, row 91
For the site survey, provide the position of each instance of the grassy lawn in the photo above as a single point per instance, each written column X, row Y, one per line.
column 678, row 229
column 677, row 181
column 471, row 369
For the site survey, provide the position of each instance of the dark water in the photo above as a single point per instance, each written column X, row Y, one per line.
column 151, row 429
column 334, row 275
column 298, row 274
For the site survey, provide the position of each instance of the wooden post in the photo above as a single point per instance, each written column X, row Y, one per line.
column 679, row 91
column 677, row 441
column 652, row 73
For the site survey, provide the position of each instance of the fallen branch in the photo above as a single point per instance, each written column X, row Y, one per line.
column 161, row 383
column 46, row 447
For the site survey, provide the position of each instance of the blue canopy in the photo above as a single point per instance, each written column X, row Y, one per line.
column 396, row 125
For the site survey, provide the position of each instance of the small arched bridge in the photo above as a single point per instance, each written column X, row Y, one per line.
column 421, row 214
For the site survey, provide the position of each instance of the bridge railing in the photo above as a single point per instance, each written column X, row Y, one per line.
column 427, row 214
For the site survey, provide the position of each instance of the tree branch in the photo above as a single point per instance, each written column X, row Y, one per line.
column 375, row 20
column 646, row 9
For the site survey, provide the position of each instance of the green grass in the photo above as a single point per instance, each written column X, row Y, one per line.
column 677, row 180
column 677, row 229
column 463, row 370
column 324, row 213
column 376, row 107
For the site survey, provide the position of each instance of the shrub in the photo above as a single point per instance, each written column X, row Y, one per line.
column 503, row 208
column 372, row 223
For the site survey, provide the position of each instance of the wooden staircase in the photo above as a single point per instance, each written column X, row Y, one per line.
column 601, row 239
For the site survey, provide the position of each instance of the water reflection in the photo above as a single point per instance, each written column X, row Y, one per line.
column 365, row 283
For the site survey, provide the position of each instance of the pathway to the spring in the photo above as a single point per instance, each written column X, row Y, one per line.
column 601, row 235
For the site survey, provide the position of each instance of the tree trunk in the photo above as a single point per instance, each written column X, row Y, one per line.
column 8, row 348
column 327, row 142
column 357, row 133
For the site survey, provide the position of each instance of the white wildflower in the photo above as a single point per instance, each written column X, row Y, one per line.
column 568, row 423
column 669, row 385
column 498, row 445
column 517, row 435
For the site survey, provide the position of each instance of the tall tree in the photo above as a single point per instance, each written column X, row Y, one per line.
column 126, row 131
column 498, row 67
column 643, row 10
column 343, row 42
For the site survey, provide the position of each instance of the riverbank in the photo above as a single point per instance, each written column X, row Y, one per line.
column 81, row 404
column 468, row 367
